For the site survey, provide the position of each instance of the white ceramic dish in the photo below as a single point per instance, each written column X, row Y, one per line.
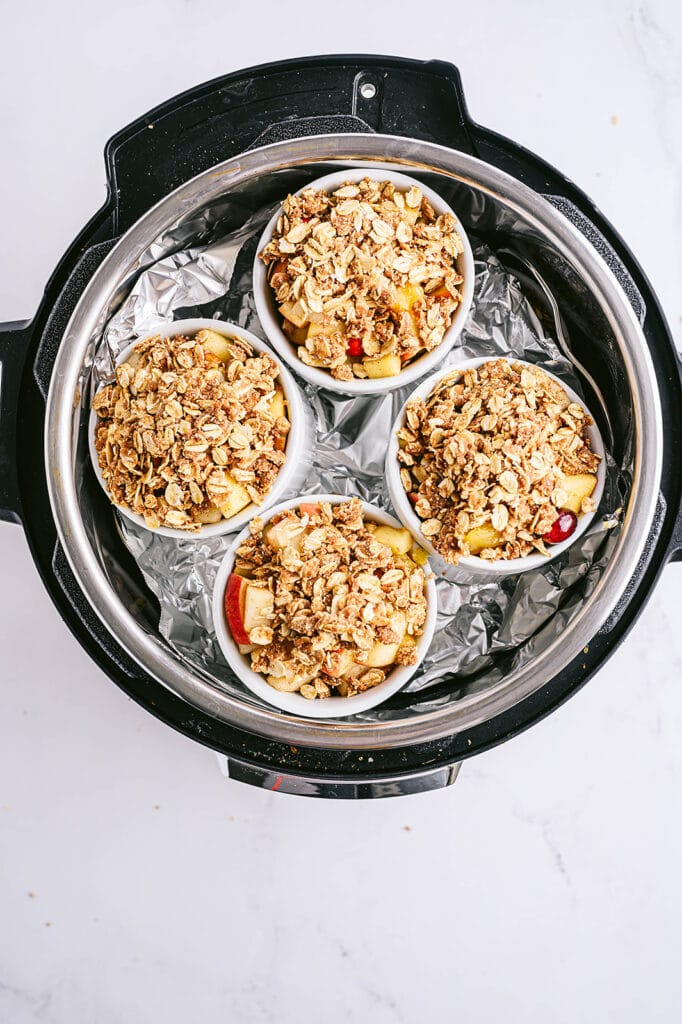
column 294, row 703
column 295, row 466
column 473, row 567
column 271, row 321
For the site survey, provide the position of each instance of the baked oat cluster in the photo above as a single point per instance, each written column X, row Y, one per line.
column 491, row 458
column 324, row 602
column 365, row 277
column 193, row 430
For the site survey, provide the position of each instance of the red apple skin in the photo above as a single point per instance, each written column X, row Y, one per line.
column 235, row 592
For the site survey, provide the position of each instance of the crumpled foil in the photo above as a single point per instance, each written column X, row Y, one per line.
column 484, row 630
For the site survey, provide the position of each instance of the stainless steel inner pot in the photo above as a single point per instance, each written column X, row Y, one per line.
column 182, row 215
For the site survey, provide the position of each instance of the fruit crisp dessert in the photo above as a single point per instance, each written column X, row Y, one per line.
column 365, row 277
column 324, row 601
column 496, row 462
column 193, row 430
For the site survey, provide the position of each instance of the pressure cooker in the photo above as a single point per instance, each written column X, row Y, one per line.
column 167, row 175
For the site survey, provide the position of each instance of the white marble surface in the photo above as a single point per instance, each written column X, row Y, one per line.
column 138, row 885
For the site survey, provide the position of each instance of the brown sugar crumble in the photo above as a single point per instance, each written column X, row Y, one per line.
column 365, row 277
column 340, row 605
column 490, row 456
column 193, row 430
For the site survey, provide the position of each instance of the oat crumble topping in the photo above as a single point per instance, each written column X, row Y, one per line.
column 365, row 277
column 341, row 606
column 490, row 457
column 193, row 430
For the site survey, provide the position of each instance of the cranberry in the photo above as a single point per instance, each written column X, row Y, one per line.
column 413, row 497
column 563, row 526
column 306, row 220
column 354, row 347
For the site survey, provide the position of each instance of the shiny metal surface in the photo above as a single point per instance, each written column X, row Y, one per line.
column 127, row 257
column 406, row 784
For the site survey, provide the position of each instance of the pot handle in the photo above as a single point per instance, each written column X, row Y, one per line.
column 14, row 342
column 337, row 789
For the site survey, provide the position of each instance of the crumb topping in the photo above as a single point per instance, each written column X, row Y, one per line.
column 365, row 277
column 341, row 605
column 490, row 456
column 186, row 437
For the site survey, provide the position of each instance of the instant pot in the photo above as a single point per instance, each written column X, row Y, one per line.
column 169, row 175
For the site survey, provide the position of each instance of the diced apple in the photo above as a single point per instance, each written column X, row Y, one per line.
column 338, row 663
column 294, row 312
column 315, row 329
column 259, row 604
column 386, row 366
column 210, row 515
column 290, row 682
column 354, row 671
column 309, row 508
column 418, row 555
column 277, row 404
column 381, row 655
column 384, row 654
column 234, row 500
column 235, row 593
column 407, row 642
column 405, row 297
column 577, row 487
column 297, row 335
column 215, row 343
column 483, row 536
column 287, row 533
column 246, row 648
column 398, row 540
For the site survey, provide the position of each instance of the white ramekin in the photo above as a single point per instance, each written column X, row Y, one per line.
column 291, row 474
column 294, row 703
column 271, row 321
column 473, row 568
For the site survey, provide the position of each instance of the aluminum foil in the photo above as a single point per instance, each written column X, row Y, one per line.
column 484, row 629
